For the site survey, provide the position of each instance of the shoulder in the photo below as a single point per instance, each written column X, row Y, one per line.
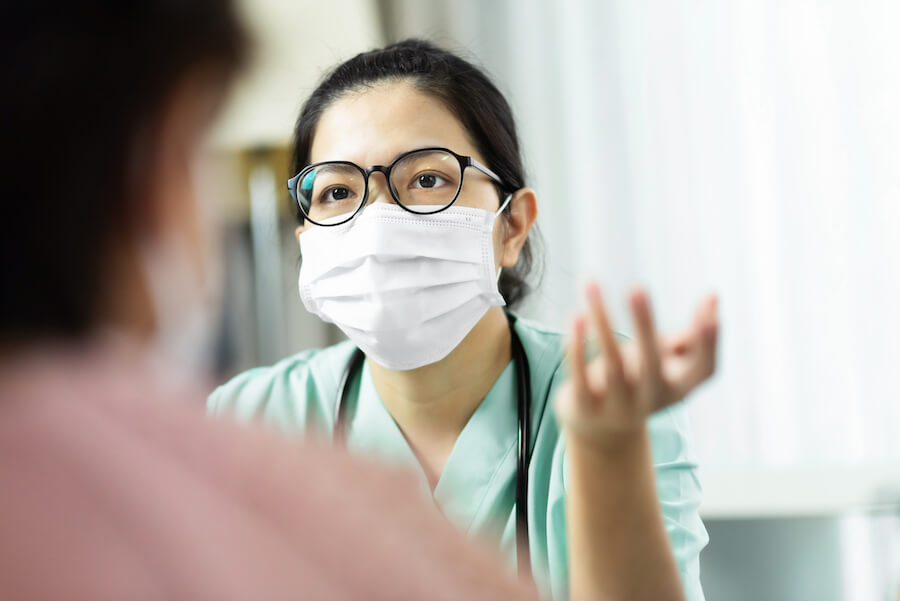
column 291, row 393
column 541, row 337
column 544, row 348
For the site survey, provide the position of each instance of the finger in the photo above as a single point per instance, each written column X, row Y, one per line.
column 608, row 345
column 646, row 335
column 577, row 367
column 708, row 317
column 679, row 343
column 709, row 330
column 631, row 363
column 704, row 325
column 701, row 362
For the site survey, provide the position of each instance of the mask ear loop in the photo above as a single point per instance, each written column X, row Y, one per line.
column 503, row 206
column 497, row 214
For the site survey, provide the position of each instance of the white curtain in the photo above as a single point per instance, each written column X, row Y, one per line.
column 749, row 147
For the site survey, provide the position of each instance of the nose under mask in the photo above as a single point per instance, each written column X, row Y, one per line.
column 405, row 288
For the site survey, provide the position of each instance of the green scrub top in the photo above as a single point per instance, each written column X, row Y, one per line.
column 476, row 490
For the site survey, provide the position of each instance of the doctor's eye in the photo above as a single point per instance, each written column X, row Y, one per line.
column 429, row 180
column 336, row 194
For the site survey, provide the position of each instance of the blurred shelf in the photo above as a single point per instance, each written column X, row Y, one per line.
column 744, row 493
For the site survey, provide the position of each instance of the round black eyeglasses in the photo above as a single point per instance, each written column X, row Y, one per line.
column 423, row 181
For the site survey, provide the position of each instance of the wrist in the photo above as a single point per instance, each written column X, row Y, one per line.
column 616, row 445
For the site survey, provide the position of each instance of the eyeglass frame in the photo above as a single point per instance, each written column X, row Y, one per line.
column 464, row 162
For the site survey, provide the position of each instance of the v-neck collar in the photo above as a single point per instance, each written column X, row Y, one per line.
column 482, row 457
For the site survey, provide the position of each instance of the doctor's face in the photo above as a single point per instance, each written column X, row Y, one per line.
column 376, row 125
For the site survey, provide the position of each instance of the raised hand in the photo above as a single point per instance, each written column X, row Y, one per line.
column 616, row 392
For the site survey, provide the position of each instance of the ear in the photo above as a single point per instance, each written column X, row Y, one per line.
column 519, row 221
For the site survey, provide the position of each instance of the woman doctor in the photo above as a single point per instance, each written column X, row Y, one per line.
column 413, row 201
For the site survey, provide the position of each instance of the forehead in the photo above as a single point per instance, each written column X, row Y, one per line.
column 374, row 125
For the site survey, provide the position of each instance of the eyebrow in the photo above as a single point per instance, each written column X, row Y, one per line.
column 396, row 156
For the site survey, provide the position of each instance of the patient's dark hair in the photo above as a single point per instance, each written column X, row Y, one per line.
column 464, row 89
column 81, row 81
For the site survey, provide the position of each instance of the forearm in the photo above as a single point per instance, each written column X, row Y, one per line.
column 618, row 546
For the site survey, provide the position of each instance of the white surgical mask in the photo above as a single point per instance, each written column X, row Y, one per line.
column 405, row 288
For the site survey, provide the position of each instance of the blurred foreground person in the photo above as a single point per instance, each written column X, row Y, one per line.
column 114, row 486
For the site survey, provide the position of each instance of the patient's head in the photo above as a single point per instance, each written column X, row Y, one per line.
column 104, row 112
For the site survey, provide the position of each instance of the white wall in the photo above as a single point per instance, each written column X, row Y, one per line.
column 750, row 147
column 296, row 41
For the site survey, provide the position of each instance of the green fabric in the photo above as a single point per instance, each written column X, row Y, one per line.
column 476, row 490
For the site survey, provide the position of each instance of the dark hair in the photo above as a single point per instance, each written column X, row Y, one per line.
column 464, row 89
column 81, row 81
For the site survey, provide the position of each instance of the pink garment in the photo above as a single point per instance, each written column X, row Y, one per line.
column 114, row 488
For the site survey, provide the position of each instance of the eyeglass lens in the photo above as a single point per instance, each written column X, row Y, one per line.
column 429, row 178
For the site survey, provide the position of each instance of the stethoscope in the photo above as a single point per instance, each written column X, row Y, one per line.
column 523, row 386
